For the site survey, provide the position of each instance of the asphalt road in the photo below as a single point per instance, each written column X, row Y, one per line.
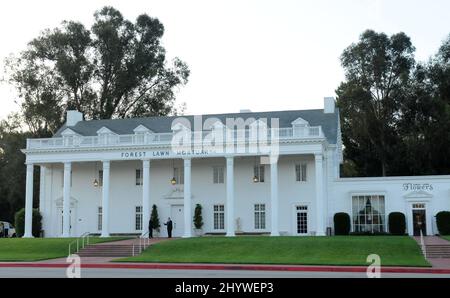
column 163, row 273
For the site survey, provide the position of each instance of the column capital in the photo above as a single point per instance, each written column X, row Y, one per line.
column 318, row 156
column 230, row 160
column 146, row 163
column 106, row 163
column 67, row 165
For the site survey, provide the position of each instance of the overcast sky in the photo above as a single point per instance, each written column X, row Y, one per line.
column 244, row 54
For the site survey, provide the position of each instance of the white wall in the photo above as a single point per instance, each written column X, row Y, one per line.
column 125, row 195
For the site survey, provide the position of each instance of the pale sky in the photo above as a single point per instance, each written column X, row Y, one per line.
column 245, row 54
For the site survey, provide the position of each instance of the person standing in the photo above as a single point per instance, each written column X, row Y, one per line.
column 150, row 228
column 169, row 227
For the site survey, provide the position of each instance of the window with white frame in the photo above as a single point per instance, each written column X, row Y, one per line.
column 139, row 179
column 219, row 217
column 99, row 218
column 138, row 218
column 260, row 216
column 300, row 172
column 368, row 213
column 302, row 219
column 218, row 175
column 259, row 173
column 178, row 174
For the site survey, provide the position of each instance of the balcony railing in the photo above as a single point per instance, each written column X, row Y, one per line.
column 111, row 140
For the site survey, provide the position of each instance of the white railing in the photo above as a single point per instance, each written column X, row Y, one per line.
column 144, row 242
column 84, row 240
column 77, row 141
column 422, row 244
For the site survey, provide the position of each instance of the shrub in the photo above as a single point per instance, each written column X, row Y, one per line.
column 198, row 218
column 19, row 219
column 443, row 222
column 155, row 218
column 341, row 224
column 397, row 223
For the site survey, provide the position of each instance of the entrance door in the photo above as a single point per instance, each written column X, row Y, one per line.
column 177, row 216
column 301, row 220
column 61, row 222
column 419, row 222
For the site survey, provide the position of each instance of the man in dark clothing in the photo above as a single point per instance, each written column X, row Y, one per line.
column 169, row 227
column 150, row 229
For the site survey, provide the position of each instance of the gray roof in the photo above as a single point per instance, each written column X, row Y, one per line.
column 329, row 122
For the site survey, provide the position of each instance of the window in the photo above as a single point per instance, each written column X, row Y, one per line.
column 218, row 175
column 178, row 174
column 99, row 218
column 139, row 180
column 260, row 216
column 259, row 173
column 300, row 172
column 219, row 217
column 138, row 218
column 302, row 219
column 100, row 178
column 368, row 214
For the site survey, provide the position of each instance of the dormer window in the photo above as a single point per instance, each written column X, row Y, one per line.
column 300, row 127
column 70, row 137
column 106, row 136
column 143, row 135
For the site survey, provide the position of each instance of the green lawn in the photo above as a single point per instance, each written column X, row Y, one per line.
column 18, row 249
column 446, row 237
column 338, row 250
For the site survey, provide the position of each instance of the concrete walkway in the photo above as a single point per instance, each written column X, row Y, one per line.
column 104, row 260
column 440, row 263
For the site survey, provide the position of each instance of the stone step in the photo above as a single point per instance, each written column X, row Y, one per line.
column 109, row 250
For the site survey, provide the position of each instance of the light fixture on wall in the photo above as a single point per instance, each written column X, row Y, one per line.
column 173, row 181
column 255, row 178
column 95, row 179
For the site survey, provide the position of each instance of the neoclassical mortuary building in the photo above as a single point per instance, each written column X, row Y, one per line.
column 271, row 173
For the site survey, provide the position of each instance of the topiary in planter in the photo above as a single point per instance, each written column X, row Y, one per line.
column 397, row 223
column 443, row 222
column 341, row 223
column 155, row 219
column 198, row 218
column 19, row 219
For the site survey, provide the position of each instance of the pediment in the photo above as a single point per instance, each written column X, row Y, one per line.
column 419, row 194
column 105, row 130
column 142, row 129
column 300, row 122
column 69, row 132
column 59, row 202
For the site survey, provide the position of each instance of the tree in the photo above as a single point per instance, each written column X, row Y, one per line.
column 377, row 69
column 155, row 218
column 198, row 218
column 12, row 169
column 117, row 69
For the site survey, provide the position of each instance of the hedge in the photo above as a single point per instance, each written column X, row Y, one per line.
column 443, row 222
column 20, row 222
column 397, row 223
column 341, row 223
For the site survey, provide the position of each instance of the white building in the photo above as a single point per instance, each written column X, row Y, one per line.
column 104, row 176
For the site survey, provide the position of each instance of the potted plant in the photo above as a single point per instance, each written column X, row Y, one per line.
column 155, row 219
column 198, row 220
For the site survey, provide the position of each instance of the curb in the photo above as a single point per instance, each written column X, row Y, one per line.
column 229, row 267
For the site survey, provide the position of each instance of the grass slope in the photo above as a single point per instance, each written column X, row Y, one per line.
column 35, row 249
column 446, row 237
column 338, row 250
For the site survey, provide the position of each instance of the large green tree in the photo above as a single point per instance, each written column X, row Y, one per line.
column 117, row 69
column 377, row 71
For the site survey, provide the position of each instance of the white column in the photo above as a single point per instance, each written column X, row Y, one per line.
column 66, row 200
column 274, row 196
column 29, row 202
column 230, row 197
column 105, row 199
column 320, row 206
column 145, row 196
column 187, row 199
